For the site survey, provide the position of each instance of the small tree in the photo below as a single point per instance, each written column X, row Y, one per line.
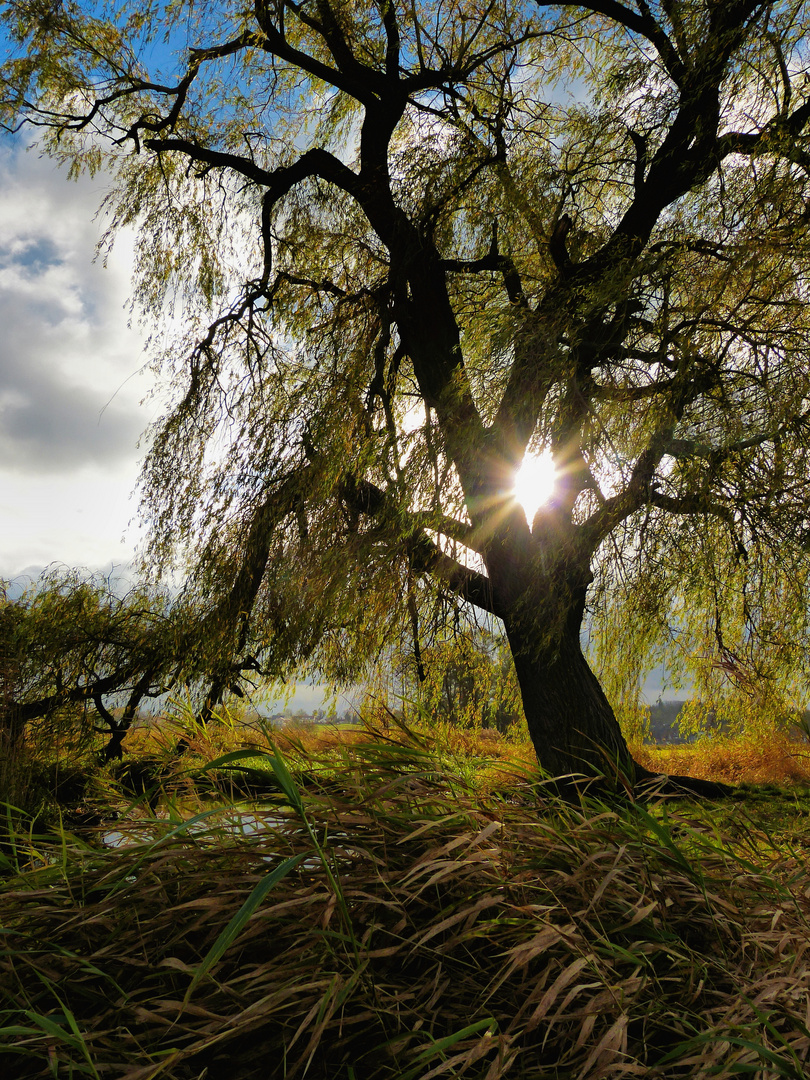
column 412, row 242
column 84, row 659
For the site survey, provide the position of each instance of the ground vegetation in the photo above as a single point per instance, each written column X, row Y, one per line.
column 395, row 907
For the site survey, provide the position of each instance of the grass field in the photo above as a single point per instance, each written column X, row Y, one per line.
column 401, row 906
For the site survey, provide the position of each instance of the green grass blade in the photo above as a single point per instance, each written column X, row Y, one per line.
column 234, row 755
column 276, row 763
column 775, row 1061
column 286, row 782
column 241, row 917
column 440, row 1045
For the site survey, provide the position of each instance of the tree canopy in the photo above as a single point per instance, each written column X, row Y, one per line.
column 399, row 246
column 70, row 643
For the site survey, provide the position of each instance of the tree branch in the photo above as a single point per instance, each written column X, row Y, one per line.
column 636, row 494
column 359, row 81
column 693, row 504
column 315, row 162
column 492, row 262
column 389, row 18
column 643, row 24
column 427, row 557
column 766, row 141
column 425, row 554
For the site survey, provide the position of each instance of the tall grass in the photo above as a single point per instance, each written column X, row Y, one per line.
column 395, row 920
column 778, row 757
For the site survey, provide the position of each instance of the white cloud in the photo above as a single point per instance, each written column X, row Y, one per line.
column 70, row 374
column 79, row 520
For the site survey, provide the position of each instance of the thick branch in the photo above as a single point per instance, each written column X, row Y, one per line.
column 427, row 557
column 358, row 80
column 315, row 162
column 770, row 139
column 642, row 24
column 683, row 449
column 389, row 18
column 26, row 711
column 692, row 504
column 425, row 554
column 284, row 499
column 636, row 494
column 493, row 262
column 447, row 526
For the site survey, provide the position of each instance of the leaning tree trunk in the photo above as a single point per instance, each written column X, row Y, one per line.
column 572, row 726
column 571, row 723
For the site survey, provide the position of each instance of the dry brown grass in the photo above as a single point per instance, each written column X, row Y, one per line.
column 767, row 758
column 429, row 930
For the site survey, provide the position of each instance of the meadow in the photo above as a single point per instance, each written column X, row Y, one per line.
column 371, row 902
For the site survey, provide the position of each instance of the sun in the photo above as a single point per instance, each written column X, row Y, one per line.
column 534, row 482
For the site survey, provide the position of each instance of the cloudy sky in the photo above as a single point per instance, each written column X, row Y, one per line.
column 70, row 375
column 71, row 383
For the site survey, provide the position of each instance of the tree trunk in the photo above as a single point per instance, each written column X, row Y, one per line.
column 113, row 750
column 572, row 725
column 571, row 722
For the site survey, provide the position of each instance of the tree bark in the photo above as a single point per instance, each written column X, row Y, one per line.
column 575, row 733
column 571, row 722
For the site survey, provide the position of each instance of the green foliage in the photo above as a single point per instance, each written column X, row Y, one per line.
column 729, row 627
column 400, row 245
column 470, row 682
column 70, row 644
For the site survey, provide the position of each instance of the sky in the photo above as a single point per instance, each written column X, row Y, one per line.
column 71, row 378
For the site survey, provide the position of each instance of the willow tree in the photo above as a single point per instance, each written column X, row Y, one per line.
column 72, row 651
column 408, row 243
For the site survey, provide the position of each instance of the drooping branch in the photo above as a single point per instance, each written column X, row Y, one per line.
column 284, row 499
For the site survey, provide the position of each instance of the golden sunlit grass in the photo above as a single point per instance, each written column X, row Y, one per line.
column 764, row 758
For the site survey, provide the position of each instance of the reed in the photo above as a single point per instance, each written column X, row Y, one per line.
column 393, row 919
column 775, row 756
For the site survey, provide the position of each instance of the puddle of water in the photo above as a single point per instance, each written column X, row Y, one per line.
column 244, row 823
